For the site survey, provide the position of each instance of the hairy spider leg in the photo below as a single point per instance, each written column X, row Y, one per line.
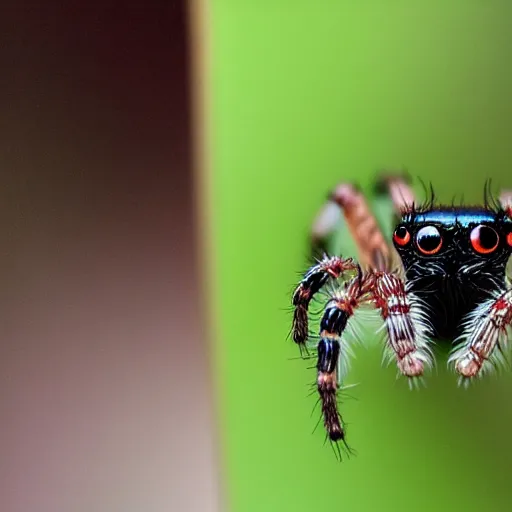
column 346, row 203
column 374, row 251
column 337, row 313
column 506, row 201
column 314, row 279
column 483, row 337
column 397, row 186
column 405, row 322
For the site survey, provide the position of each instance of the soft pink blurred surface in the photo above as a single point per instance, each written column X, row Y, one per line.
column 105, row 402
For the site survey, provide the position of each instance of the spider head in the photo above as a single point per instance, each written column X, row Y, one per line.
column 450, row 242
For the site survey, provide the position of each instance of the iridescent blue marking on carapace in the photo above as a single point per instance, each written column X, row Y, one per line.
column 459, row 217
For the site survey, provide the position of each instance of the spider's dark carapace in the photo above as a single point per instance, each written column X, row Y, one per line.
column 442, row 277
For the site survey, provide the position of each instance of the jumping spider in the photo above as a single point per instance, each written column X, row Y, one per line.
column 443, row 278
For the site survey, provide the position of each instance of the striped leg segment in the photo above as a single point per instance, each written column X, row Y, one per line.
column 485, row 332
column 315, row 278
column 327, row 384
column 374, row 252
column 405, row 327
column 348, row 203
column 329, row 352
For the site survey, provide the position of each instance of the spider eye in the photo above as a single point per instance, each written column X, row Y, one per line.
column 429, row 240
column 401, row 236
column 484, row 239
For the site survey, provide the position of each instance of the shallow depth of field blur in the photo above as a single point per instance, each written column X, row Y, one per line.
column 304, row 95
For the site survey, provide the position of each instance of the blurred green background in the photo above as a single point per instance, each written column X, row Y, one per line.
column 304, row 95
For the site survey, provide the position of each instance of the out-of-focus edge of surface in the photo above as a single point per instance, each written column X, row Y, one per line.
column 200, row 51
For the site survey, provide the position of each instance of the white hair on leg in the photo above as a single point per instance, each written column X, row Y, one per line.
column 479, row 349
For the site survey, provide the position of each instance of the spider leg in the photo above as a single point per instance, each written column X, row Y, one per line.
column 405, row 322
column 314, row 279
column 374, row 251
column 323, row 229
column 506, row 201
column 330, row 367
column 348, row 203
column 398, row 187
column 485, row 330
column 327, row 384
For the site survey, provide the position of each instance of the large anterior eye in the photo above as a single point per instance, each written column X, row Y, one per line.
column 401, row 236
column 484, row 239
column 429, row 240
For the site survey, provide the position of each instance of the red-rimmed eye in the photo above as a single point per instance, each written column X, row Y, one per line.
column 484, row 239
column 509, row 238
column 429, row 240
column 401, row 236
